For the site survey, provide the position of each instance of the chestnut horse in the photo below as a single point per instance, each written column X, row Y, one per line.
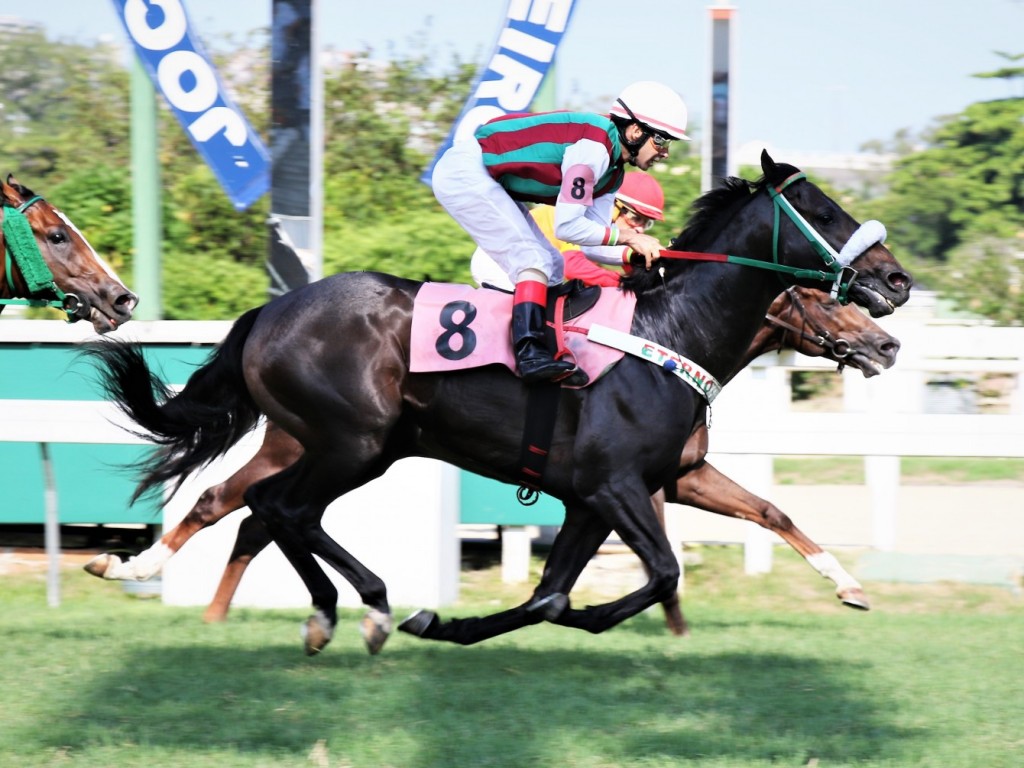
column 48, row 263
column 801, row 319
column 329, row 363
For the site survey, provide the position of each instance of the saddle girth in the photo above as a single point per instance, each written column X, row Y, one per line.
column 538, row 429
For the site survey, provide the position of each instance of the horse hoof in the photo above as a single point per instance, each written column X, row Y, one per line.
column 418, row 623
column 316, row 633
column 550, row 607
column 678, row 630
column 375, row 628
column 103, row 564
column 855, row 598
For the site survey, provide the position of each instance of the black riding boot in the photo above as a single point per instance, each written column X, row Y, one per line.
column 533, row 359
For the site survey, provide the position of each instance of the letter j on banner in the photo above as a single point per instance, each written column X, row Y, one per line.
column 525, row 50
column 183, row 73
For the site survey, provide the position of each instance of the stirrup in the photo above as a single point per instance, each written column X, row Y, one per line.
column 541, row 369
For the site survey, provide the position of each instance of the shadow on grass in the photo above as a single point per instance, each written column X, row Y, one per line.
column 484, row 705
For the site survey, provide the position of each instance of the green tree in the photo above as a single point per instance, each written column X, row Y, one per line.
column 63, row 107
column 383, row 123
column 956, row 207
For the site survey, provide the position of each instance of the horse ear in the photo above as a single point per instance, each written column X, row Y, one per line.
column 22, row 190
column 8, row 194
column 767, row 164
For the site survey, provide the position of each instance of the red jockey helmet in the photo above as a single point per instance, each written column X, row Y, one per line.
column 642, row 192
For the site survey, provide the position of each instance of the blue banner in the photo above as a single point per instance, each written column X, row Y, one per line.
column 524, row 51
column 183, row 73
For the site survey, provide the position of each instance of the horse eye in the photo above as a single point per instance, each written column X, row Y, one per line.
column 57, row 237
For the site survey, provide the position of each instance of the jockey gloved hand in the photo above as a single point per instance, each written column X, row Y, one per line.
column 645, row 245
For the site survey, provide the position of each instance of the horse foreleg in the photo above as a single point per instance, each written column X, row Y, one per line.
column 642, row 533
column 706, row 488
column 277, row 451
column 575, row 544
column 672, row 607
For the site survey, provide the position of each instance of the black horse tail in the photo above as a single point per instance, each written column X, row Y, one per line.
column 193, row 427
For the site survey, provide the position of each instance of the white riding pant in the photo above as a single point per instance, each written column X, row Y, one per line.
column 486, row 270
column 498, row 224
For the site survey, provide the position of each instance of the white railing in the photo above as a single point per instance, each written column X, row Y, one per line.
column 883, row 420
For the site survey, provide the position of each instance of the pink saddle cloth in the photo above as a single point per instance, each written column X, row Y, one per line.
column 456, row 326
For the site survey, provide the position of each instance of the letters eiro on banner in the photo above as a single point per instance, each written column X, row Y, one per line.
column 186, row 78
column 524, row 51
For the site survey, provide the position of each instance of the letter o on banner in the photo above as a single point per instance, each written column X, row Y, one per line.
column 168, row 34
column 201, row 95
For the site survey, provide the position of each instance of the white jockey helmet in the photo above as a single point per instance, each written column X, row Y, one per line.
column 655, row 105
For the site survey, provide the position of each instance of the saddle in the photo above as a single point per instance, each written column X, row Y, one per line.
column 570, row 300
column 575, row 297
column 456, row 327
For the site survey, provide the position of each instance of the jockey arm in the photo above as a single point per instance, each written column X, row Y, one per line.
column 583, row 220
column 579, row 267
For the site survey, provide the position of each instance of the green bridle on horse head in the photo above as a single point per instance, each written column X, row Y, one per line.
column 841, row 273
column 22, row 250
column 837, row 265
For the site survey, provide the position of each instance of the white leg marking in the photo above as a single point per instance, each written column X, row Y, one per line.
column 143, row 566
column 826, row 564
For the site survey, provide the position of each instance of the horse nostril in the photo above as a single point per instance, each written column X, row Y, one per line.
column 126, row 302
column 889, row 348
column 900, row 280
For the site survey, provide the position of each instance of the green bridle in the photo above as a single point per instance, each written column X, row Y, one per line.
column 840, row 274
column 839, row 270
column 22, row 250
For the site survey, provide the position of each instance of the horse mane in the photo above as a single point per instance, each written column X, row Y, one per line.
column 705, row 219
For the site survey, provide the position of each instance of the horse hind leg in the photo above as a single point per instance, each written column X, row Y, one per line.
column 291, row 505
column 207, row 510
column 377, row 624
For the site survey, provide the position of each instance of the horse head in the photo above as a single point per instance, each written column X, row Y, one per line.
column 818, row 326
column 868, row 273
column 48, row 262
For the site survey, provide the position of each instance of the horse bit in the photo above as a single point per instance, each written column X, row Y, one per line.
column 840, row 348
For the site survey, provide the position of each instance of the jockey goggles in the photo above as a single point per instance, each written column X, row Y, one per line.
column 635, row 218
column 661, row 140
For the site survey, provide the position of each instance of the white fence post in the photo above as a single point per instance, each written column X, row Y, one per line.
column 882, row 476
column 516, row 548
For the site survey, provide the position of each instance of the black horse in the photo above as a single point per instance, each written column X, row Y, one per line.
column 329, row 364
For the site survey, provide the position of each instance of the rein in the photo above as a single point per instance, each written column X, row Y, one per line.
column 839, row 273
column 21, row 250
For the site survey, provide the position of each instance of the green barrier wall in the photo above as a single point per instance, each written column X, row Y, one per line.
column 487, row 502
column 92, row 483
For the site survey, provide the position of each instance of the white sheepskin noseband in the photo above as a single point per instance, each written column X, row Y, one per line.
column 867, row 234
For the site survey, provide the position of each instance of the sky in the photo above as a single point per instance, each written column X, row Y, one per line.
column 810, row 75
